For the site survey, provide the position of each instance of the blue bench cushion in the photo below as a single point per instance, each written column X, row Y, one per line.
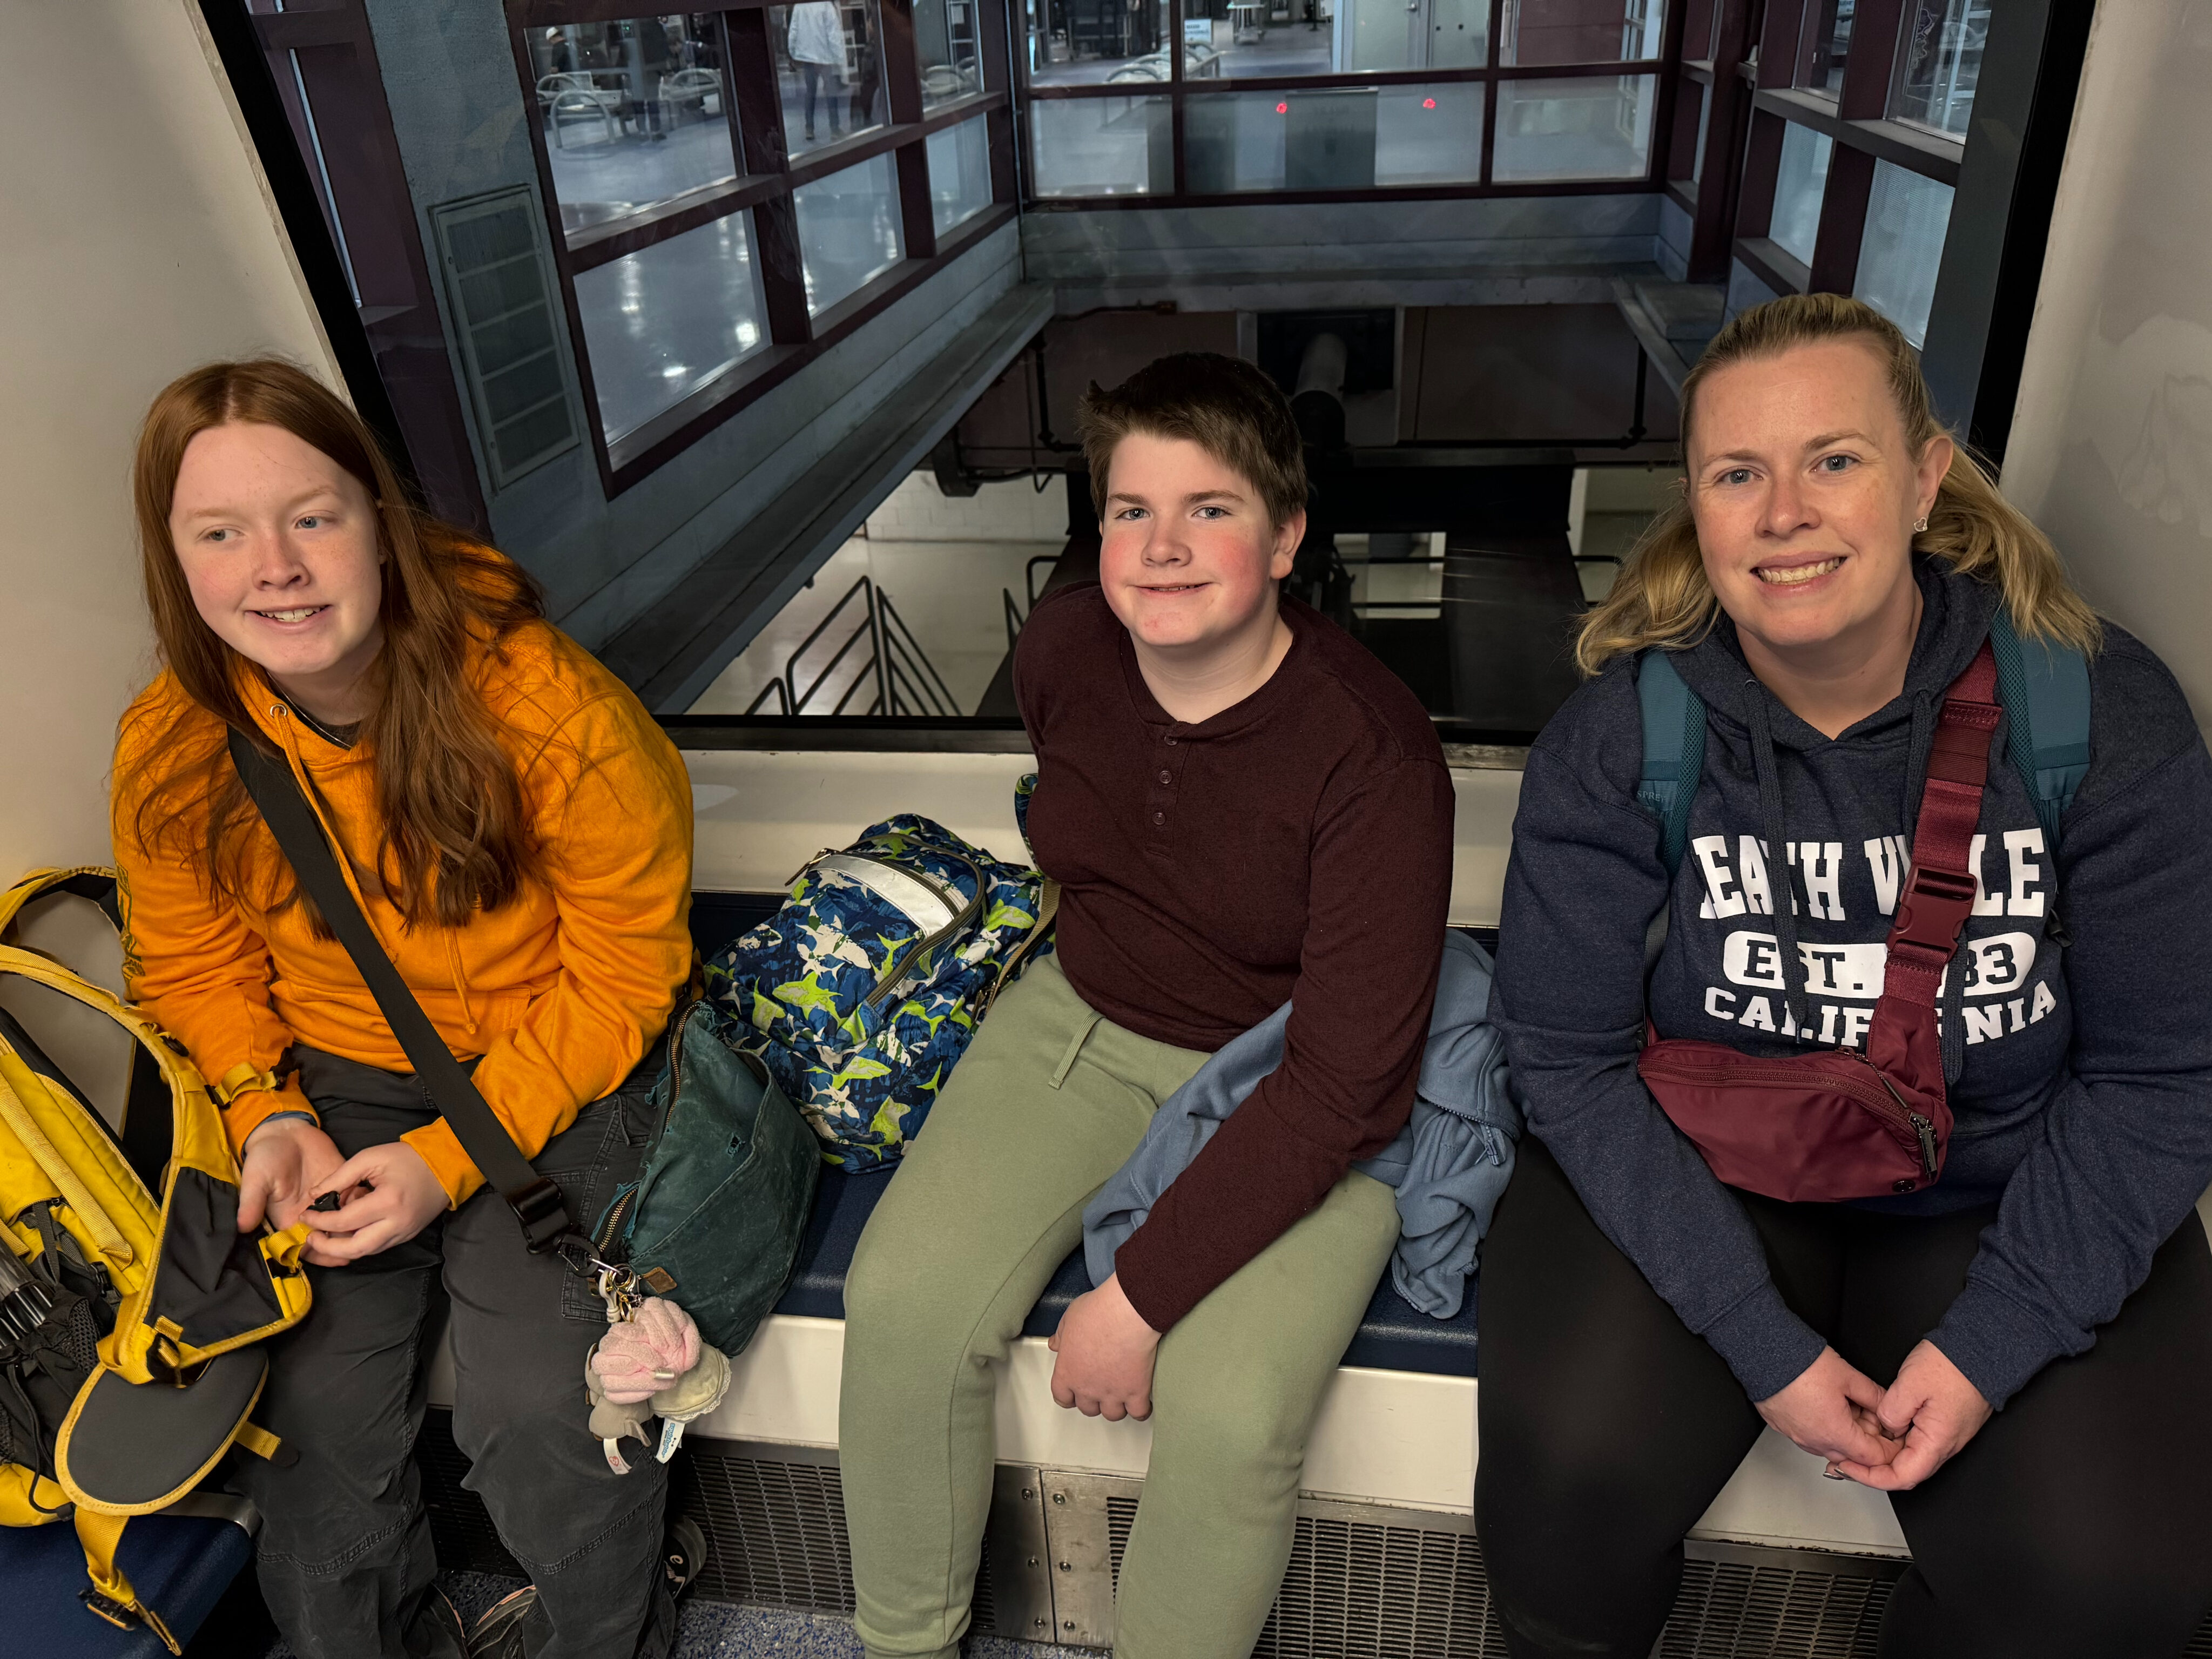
column 1393, row 1336
column 181, row 1565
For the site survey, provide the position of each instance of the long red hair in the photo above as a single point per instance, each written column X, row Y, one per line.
column 456, row 835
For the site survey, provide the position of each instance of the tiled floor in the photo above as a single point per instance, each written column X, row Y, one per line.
column 715, row 1629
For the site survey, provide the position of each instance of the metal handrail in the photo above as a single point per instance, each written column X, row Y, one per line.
column 1028, row 574
column 1013, row 615
column 782, row 696
column 905, row 682
column 909, row 664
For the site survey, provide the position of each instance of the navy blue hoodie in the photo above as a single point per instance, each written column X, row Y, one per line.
column 2084, row 1102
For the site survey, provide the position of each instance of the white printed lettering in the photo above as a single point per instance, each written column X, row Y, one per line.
column 1829, row 1022
column 1757, row 1012
column 1986, row 903
column 2019, row 1021
column 2019, row 843
column 1822, row 862
column 1721, row 897
column 1752, row 854
column 2041, row 1003
column 1855, row 1021
column 1890, row 865
column 1984, row 1024
column 1713, row 994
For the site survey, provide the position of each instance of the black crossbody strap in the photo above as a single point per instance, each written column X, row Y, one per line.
column 535, row 1200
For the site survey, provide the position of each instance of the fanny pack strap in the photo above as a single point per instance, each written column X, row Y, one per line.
column 1932, row 911
column 536, row 1200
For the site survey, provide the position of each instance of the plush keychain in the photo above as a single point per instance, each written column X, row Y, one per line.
column 652, row 1363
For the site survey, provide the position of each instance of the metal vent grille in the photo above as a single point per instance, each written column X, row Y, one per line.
column 1735, row 1610
column 776, row 1531
column 1367, row 1591
column 500, row 288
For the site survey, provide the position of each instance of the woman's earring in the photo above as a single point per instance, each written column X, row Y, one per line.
column 1920, row 524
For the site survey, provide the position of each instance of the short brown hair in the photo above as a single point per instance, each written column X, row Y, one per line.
column 1225, row 406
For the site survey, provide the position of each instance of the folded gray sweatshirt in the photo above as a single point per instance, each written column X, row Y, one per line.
column 1449, row 1164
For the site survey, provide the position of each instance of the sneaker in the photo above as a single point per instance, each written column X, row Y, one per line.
column 450, row 1635
column 498, row 1634
column 684, row 1552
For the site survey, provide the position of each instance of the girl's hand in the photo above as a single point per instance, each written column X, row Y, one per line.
column 390, row 1195
column 285, row 1159
column 1829, row 1411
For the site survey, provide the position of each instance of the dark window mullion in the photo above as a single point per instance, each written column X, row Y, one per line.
column 1674, row 26
column 1720, row 194
column 1843, row 219
column 902, row 85
column 1874, row 31
column 1491, row 66
column 776, row 221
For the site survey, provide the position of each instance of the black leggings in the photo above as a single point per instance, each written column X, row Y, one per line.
column 2079, row 1521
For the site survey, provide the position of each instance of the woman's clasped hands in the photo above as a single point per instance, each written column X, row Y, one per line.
column 386, row 1194
column 1891, row 1439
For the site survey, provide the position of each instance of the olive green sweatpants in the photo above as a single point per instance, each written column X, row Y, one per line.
column 1048, row 1104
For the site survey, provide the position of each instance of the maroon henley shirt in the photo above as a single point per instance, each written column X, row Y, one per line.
column 1296, row 847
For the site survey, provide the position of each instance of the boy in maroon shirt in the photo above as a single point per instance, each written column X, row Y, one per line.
column 1242, row 806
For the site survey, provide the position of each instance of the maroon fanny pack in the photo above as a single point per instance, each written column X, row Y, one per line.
column 1841, row 1123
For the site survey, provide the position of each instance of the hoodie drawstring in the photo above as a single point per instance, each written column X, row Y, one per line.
column 1782, row 887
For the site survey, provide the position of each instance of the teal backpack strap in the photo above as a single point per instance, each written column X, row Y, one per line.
column 1674, row 750
column 2044, row 689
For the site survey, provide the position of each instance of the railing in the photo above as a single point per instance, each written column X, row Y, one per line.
column 905, row 682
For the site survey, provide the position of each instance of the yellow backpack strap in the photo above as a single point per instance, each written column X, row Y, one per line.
column 110, row 1595
column 90, row 881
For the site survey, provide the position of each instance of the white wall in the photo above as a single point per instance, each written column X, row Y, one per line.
column 139, row 242
column 2111, row 443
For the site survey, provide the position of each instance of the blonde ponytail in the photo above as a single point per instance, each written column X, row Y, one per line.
column 1662, row 596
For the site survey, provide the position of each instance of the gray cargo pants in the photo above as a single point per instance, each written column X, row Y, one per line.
column 346, row 1558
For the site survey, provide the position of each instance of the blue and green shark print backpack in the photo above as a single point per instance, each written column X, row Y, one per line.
column 862, row 991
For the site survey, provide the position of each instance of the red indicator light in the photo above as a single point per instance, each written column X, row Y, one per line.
column 1428, row 103
column 1282, row 109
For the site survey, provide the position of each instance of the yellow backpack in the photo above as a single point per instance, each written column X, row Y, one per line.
column 128, row 1325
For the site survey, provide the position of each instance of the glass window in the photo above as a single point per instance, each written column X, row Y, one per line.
column 1591, row 127
column 632, row 113
column 1906, row 217
column 1827, row 45
column 1101, row 146
column 1938, row 62
column 662, row 322
column 1579, row 32
column 1798, row 186
column 848, row 230
column 1366, row 36
column 1340, row 138
column 829, row 70
column 1087, row 43
column 959, row 172
column 946, row 50
column 1429, row 135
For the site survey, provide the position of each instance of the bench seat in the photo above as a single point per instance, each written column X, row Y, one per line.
column 181, row 1565
column 1392, row 1336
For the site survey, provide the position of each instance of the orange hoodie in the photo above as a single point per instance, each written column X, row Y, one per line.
column 561, row 990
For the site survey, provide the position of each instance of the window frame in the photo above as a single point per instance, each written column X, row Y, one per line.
column 1857, row 119
column 1179, row 89
column 766, row 176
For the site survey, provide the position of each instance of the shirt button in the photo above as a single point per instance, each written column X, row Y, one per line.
column 1171, row 742
column 1166, row 777
column 1159, row 818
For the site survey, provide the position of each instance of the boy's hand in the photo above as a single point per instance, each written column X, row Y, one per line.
column 1106, row 1350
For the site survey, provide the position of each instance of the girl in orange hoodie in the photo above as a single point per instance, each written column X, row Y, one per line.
column 518, row 831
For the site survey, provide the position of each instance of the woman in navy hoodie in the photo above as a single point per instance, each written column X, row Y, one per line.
column 2021, row 1353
